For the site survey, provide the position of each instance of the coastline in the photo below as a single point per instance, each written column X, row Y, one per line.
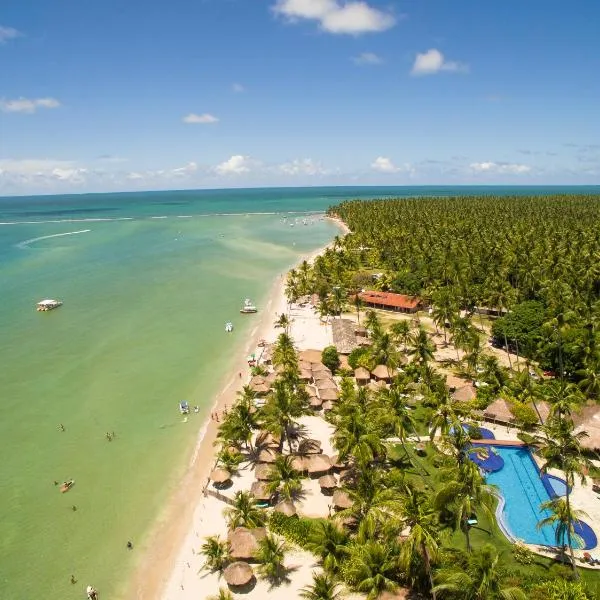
column 164, row 550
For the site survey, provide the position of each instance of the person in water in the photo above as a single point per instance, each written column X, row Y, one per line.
column 61, row 427
column 129, row 546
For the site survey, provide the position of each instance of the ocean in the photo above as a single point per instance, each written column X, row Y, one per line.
column 148, row 281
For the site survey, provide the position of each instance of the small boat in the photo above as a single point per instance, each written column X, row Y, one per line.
column 48, row 304
column 248, row 307
column 67, row 485
column 229, row 327
column 184, row 407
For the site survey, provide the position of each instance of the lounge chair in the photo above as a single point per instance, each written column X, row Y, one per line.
column 590, row 560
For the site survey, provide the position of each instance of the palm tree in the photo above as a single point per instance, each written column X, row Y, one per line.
column 562, row 518
column 283, row 322
column 244, row 512
column 355, row 436
column 482, row 579
column 284, row 352
column 462, row 334
column 229, row 459
column 562, row 396
column 215, row 552
column 224, row 594
column 271, row 554
column 373, row 324
column 464, row 494
column 397, row 414
column 283, row 478
column 358, row 304
column 417, row 513
column 384, row 352
column 421, row 347
column 374, row 568
column 401, row 332
column 324, row 587
column 444, row 309
column 330, row 543
column 338, row 299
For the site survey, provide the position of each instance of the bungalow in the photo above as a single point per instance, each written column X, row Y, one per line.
column 391, row 301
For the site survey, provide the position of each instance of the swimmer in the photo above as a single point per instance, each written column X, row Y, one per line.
column 61, row 427
column 129, row 546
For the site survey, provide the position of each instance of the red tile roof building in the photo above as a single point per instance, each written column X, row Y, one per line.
column 390, row 301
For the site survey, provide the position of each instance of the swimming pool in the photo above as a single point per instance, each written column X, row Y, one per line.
column 523, row 491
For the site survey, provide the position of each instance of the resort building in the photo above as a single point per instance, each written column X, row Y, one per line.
column 347, row 335
column 391, row 301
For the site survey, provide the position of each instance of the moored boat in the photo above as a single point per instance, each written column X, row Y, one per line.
column 248, row 307
column 67, row 485
column 48, row 304
column 184, row 407
column 229, row 327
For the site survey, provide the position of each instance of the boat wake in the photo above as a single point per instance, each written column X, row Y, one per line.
column 26, row 243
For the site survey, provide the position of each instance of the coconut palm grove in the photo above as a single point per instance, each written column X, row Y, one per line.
column 508, row 292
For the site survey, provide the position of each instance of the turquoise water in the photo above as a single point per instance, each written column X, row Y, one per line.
column 148, row 282
column 521, row 487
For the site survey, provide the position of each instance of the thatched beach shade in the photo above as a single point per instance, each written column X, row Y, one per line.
column 299, row 463
column 592, row 440
column 362, row 375
column 243, row 543
column 498, row 411
column 238, row 574
column 327, row 482
column 220, row 476
column 376, row 386
column 263, row 472
column 310, row 446
column 259, row 386
column 260, row 492
column 327, row 405
column 305, row 374
column 305, row 364
column 382, row 373
column 326, row 384
column 466, row 393
column 287, row 508
column 270, row 378
column 328, row 394
column 454, row 383
column 267, row 455
column 336, row 463
column 319, row 367
column 315, row 403
column 318, row 463
column 341, row 499
column 311, row 390
column 265, row 439
column 311, row 356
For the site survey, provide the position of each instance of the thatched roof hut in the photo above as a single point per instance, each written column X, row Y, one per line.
column 498, row 411
column 318, row 463
column 344, row 335
column 376, row 386
column 315, row 403
column 305, row 374
column 238, row 573
column 326, row 384
column 311, row 390
column 328, row 394
column 267, row 455
column 454, row 383
column 382, row 373
column 287, row 508
column 336, row 463
column 299, row 463
column 466, row 393
column 592, row 440
column 311, row 356
column 319, row 367
column 263, row 471
column 327, row 405
column 304, row 364
column 259, row 386
column 265, row 439
column 341, row 499
column 327, row 482
column 260, row 492
column 270, row 378
column 220, row 476
column 362, row 375
column 243, row 542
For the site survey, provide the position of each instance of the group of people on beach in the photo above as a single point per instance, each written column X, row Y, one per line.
column 217, row 416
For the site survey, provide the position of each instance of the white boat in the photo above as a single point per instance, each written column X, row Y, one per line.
column 248, row 307
column 229, row 327
column 45, row 305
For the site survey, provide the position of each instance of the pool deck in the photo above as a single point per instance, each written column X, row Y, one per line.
column 582, row 496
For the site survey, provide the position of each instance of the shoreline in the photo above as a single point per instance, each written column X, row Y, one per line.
column 171, row 535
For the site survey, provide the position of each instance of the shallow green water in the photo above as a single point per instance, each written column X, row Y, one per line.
column 142, row 327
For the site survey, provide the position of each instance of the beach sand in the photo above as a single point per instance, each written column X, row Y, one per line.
column 170, row 562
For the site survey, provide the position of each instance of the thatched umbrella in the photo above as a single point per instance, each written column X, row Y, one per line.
column 243, row 543
column 259, row 386
column 220, row 475
column 328, row 394
column 327, row 482
column 260, row 492
column 305, row 364
column 263, row 472
column 341, row 499
column 336, row 463
column 267, row 455
column 310, row 446
column 326, row 384
column 311, row 356
column 299, row 463
column 270, row 378
column 327, row 405
column 265, row 439
column 238, row 573
column 319, row 368
column 376, row 386
column 362, row 375
column 287, row 508
column 305, row 374
column 318, row 463
column 381, row 372
column 315, row 403
column 311, row 390
column 465, row 393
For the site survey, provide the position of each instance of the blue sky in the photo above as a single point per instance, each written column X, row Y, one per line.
column 135, row 95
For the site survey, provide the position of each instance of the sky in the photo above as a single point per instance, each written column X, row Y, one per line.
column 139, row 95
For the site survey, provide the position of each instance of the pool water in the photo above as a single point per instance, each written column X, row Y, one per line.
column 523, row 490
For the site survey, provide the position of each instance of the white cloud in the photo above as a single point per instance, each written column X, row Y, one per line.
column 368, row 58
column 433, row 61
column 203, row 119
column 384, row 165
column 336, row 16
column 8, row 33
column 305, row 166
column 27, row 105
column 236, row 165
column 238, row 88
column 500, row 168
column 32, row 166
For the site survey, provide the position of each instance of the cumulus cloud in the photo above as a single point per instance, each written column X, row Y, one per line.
column 499, row 168
column 352, row 17
column 384, row 165
column 367, row 58
column 8, row 33
column 27, row 105
column 236, row 165
column 306, row 166
column 238, row 88
column 433, row 61
column 41, row 171
column 204, row 119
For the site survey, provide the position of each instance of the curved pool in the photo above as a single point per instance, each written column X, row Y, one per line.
column 524, row 489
